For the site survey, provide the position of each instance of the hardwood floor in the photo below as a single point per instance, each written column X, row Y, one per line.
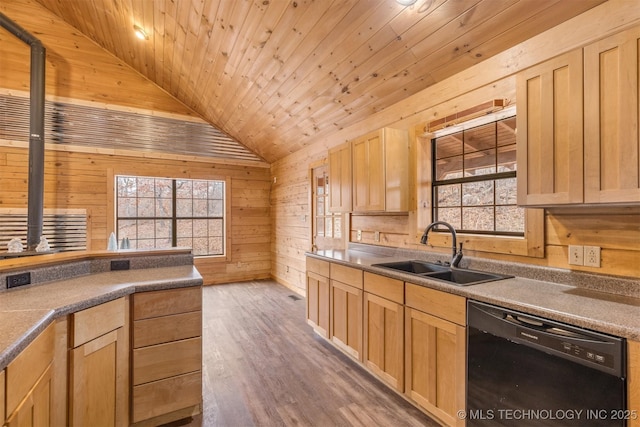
column 263, row 366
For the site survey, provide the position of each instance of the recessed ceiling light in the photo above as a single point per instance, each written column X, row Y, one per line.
column 140, row 33
column 406, row 2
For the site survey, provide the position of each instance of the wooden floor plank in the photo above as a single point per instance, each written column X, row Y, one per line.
column 264, row 366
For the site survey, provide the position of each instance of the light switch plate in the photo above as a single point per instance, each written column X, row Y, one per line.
column 358, row 235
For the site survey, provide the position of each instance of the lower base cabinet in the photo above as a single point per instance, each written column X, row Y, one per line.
column 166, row 355
column 435, row 352
column 29, row 396
column 99, row 365
column 633, row 383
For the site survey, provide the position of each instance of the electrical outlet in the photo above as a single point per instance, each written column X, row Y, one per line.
column 20, row 279
column 576, row 255
column 120, row 264
column 592, row 256
column 359, row 235
column 376, row 236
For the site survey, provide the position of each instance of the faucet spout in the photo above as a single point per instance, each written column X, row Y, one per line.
column 456, row 256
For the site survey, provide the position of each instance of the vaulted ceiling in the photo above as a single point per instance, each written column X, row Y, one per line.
column 279, row 74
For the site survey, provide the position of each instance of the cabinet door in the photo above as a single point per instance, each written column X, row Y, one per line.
column 611, row 144
column 346, row 318
column 318, row 303
column 383, row 350
column 340, row 179
column 368, row 173
column 550, row 132
column 435, row 365
column 35, row 409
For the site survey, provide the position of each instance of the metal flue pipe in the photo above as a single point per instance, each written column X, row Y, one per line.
column 35, row 205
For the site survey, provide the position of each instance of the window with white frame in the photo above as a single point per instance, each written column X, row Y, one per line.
column 154, row 212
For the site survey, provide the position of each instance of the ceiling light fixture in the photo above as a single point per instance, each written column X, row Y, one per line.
column 406, row 2
column 140, row 33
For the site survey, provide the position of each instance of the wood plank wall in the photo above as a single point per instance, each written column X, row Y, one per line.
column 82, row 180
column 616, row 230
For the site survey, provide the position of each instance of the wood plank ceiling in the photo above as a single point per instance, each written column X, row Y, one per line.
column 279, row 74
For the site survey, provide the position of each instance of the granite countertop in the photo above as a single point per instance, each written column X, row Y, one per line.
column 28, row 310
column 591, row 305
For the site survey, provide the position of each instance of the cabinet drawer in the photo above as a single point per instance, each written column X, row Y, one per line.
column 25, row 370
column 437, row 303
column 166, row 360
column 158, row 330
column 96, row 321
column 164, row 396
column 166, row 302
column 385, row 287
column 318, row 266
column 347, row 275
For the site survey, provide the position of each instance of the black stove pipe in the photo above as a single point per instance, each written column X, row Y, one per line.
column 35, row 206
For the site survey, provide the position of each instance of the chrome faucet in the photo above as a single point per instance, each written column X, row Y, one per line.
column 457, row 254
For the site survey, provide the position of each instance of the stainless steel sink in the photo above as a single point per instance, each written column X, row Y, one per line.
column 413, row 266
column 456, row 276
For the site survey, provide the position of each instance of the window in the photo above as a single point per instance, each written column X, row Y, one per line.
column 474, row 179
column 327, row 226
column 164, row 212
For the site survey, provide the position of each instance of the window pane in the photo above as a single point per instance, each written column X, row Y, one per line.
column 200, row 189
column 216, row 246
column 163, row 231
column 127, row 228
column 216, row 207
column 200, row 207
column 184, row 189
column 337, row 226
column 509, row 218
column 320, row 186
column 184, row 242
column 126, row 186
column 184, row 207
column 216, row 190
column 450, row 215
column 449, row 195
column 480, row 138
column 477, row 193
column 328, row 227
column 215, row 227
column 320, row 226
column 507, row 158
column 320, row 206
column 506, row 131
column 146, row 187
column 449, row 146
column 164, row 207
column 164, row 188
column 480, row 219
column 127, row 207
column 146, row 229
column 480, row 163
column 200, row 245
column 146, row 207
column 506, row 191
column 449, row 168
column 185, row 228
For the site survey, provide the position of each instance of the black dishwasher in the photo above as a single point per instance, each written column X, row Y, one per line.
column 523, row 370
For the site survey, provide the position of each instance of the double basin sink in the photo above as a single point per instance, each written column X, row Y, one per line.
column 452, row 275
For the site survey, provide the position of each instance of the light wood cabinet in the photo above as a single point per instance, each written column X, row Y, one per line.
column 340, row 178
column 435, row 352
column 633, row 382
column 166, row 355
column 318, row 291
column 611, row 143
column 577, row 122
column 383, row 328
column 99, row 365
column 381, row 171
column 345, row 303
column 550, row 132
column 29, row 390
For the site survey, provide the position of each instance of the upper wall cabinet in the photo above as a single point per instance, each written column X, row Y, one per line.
column 340, row 178
column 611, row 143
column 578, row 126
column 381, row 171
column 549, row 138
